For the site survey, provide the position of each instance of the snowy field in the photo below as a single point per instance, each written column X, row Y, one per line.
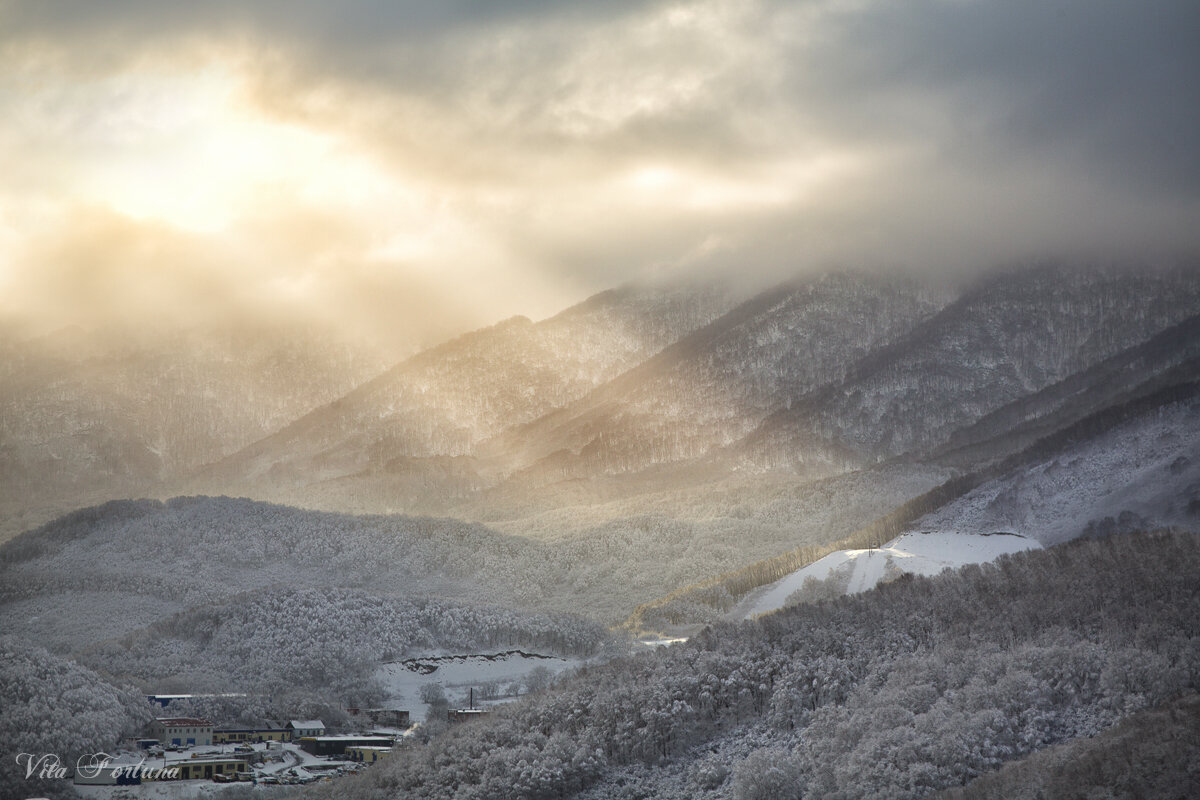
column 853, row 571
column 458, row 672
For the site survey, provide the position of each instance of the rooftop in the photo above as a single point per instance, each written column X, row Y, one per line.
column 179, row 722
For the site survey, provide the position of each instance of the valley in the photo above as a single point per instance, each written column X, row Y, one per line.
column 501, row 517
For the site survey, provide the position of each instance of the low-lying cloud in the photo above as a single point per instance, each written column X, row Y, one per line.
column 414, row 169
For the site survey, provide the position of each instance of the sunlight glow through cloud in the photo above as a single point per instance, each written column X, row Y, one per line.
column 477, row 165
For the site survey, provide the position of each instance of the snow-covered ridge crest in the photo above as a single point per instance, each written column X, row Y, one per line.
column 854, row 571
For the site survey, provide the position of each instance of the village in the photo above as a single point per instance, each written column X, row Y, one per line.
column 298, row 751
column 183, row 754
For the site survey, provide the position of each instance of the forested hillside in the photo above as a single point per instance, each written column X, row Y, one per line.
column 1168, row 359
column 86, row 573
column 641, row 391
column 439, row 405
column 1132, row 466
column 84, row 419
column 1129, row 466
column 1009, row 337
column 104, row 572
column 713, row 387
column 50, row 705
column 923, row 684
column 326, row 642
column 1150, row 754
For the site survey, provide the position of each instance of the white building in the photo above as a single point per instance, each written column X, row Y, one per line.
column 305, row 727
column 182, row 731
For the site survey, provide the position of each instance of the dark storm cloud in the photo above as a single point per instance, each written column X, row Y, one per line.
column 348, row 23
column 1103, row 85
column 553, row 149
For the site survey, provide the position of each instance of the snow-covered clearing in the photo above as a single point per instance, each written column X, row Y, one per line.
column 924, row 553
column 458, row 672
column 664, row 641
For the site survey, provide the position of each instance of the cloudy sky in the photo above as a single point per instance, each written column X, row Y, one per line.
column 413, row 169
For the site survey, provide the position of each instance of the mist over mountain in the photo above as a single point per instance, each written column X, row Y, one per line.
column 741, row 400
column 442, row 403
column 87, row 416
column 712, row 388
column 1006, row 339
column 645, row 389
column 813, row 378
column 655, row 460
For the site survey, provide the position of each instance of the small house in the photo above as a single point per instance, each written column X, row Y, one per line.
column 299, row 728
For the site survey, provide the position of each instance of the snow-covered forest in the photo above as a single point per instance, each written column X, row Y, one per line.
column 53, row 705
column 652, row 461
column 85, row 576
column 655, row 400
column 923, row 684
column 327, row 642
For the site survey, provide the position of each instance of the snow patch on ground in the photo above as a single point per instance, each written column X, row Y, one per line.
column 1145, row 473
column 924, row 553
column 457, row 672
column 663, row 641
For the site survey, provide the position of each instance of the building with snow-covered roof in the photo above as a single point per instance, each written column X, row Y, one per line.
column 338, row 745
column 299, row 728
column 182, row 731
column 269, row 732
column 465, row 714
column 208, row 767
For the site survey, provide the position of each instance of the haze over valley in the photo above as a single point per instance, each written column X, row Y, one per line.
column 669, row 400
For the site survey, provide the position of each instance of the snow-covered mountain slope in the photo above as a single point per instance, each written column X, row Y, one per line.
column 813, row 378
column 85, row 419
column 1005, row 339
column 441, row 403
column 713, row 387
column 925, row 552
column 88, row 576
column 1133, row 465
column 826, row 374
column 1144, row 473
column 1169, row 358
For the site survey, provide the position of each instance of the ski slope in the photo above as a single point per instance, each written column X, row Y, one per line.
column 921, row 553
